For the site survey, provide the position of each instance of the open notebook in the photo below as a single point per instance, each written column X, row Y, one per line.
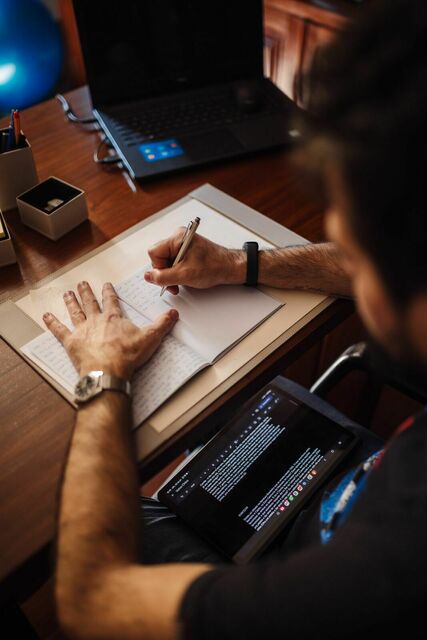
column 211, row 322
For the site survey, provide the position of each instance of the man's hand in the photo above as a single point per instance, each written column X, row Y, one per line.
column 106, row 341
column 205, row 265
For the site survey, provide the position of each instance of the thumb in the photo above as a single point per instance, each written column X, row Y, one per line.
column 165, row 322
column 163, row 277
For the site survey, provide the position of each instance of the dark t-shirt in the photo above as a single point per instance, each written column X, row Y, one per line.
column 369, row 578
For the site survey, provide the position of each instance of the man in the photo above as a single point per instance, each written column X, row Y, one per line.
column 369, row 97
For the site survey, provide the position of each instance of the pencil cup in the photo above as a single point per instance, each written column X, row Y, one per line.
column 7, row 252
column 17, row 173
column 53, row 207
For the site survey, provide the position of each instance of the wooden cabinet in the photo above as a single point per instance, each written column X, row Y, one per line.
column 284, row 35
column 293, row 32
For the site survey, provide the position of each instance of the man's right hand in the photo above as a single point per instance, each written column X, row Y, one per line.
column 206, row 264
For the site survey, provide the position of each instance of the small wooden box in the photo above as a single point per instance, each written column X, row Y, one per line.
column 7, row 252
column 53, row 207
column 17, row 174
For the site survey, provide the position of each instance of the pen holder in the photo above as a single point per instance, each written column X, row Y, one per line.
column 53, row 207
column 17, row 173
column 7, row 252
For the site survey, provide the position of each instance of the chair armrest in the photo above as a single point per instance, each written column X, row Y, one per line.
column 358, row 357
column 352, row 359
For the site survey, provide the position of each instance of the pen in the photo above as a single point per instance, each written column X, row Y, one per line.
column 10, row 139
column 17, row 126
column 186, row 241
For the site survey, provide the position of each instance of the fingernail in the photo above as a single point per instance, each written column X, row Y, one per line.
column 173, row 314
column 148, row 276
column 83, row 283
column 68, row 294
column 46, row 316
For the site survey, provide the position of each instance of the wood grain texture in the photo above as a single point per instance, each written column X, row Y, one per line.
column 35, row 422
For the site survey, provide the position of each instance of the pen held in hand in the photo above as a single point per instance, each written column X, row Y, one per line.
column 186, row 241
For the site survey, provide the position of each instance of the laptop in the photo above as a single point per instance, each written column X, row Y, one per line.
column 252, row 478
column 179, row 83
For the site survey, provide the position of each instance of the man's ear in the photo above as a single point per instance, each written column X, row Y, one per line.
column 417, row 324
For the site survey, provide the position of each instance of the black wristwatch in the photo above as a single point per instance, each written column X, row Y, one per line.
column 251, row 249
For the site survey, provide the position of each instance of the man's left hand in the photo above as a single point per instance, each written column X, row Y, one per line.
column 105, row 340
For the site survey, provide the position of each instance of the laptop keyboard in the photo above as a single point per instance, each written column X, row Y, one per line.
column 186, row 115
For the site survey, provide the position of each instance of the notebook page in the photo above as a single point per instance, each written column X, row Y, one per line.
column 170, row 367
column 211, row 320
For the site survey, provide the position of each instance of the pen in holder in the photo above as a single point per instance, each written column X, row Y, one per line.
column 17, row 172
column 7, row 252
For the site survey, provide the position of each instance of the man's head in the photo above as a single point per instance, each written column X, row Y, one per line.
column 368, row 131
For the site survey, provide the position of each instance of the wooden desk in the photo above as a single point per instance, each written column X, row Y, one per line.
column 36, row 422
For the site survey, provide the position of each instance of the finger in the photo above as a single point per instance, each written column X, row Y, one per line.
column 110, row 301
column 74, row 309
column 164, row 277
column 164, row 323
column 163, row 253
column 152, row 335
column 59, row 330
column 89, row 302
column 173, row 289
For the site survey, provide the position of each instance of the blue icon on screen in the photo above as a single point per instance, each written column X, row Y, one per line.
column 154, row 151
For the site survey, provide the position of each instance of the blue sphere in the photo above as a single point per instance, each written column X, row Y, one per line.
column 30, row 53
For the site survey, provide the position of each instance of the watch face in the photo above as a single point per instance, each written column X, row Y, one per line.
column 87, row 386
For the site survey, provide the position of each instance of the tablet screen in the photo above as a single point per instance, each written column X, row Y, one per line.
column 256, row 473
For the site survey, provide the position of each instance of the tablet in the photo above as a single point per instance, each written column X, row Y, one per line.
column 253, row 477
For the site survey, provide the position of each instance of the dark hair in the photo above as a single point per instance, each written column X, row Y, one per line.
column 368, row 115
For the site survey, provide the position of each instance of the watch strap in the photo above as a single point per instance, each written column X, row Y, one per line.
column 251, row 249
column 113, row 383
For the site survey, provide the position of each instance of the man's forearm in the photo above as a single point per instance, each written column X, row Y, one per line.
column 314, row 267
column 98, row 519
column 102, row 592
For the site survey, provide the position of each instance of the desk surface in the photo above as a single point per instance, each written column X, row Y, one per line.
column 35, row 421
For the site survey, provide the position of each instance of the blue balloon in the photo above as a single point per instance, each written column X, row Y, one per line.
column 31, row 53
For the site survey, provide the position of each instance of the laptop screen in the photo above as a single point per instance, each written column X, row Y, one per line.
column 142, row 48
